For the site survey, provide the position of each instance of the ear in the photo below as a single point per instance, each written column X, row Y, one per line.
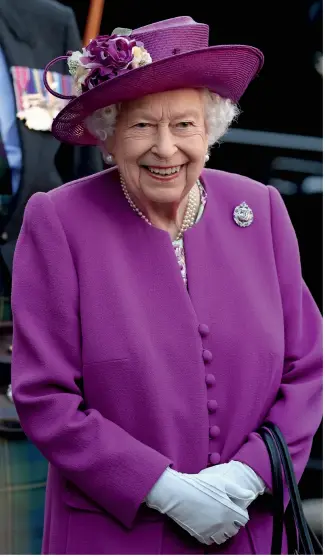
column 110, row 144
column 206, row 137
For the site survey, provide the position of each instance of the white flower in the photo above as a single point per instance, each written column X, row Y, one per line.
column 80, row 77
column 141, row 57
column 74, row 62
column 78, row 71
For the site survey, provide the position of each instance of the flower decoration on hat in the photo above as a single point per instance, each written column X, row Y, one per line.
column 106, row 57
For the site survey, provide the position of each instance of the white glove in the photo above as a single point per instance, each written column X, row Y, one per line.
column 237, row 480
column 204, row 512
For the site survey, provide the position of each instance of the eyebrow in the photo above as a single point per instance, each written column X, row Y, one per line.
column 187, row 114
column 178, row 116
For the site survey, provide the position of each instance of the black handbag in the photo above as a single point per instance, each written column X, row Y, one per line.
column 301, row 539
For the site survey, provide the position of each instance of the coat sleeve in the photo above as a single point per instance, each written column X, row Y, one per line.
column 74, row 161
column 297, row 410
column 110, row 466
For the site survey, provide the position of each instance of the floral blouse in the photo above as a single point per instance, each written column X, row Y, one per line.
column 179, row 244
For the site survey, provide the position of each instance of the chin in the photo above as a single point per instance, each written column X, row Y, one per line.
column 165, row 195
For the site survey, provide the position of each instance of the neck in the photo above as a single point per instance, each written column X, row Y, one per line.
column 167, row 216
column 174, row 218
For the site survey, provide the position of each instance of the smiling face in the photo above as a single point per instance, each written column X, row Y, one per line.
column 159, row 145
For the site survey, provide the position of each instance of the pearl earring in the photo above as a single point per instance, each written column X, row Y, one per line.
column 109, row 159
column 206, row 158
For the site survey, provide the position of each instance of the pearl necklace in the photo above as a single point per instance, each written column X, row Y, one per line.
column 190, row 213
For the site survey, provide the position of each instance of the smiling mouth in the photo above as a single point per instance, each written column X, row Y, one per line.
column 167, row 171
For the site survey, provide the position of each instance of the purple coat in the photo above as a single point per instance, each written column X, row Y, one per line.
column 118, row 371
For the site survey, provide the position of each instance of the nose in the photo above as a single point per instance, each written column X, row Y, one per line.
column 164, row 146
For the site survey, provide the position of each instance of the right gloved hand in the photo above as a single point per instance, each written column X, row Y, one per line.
column 206, row 513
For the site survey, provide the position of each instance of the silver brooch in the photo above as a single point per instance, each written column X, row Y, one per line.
column 243, row 215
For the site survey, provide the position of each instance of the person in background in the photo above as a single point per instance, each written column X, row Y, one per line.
column 31, row 160
column 174, row 320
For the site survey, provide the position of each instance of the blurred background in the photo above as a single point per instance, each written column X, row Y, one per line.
column 278, row 137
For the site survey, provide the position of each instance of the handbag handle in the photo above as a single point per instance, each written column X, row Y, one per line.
column 294, row 518
column 277, row 490
column 295, row 499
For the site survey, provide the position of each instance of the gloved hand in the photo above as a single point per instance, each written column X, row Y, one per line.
column 204, row 512
column 237, row 480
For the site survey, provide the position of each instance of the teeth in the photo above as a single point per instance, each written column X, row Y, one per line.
column 163, row 171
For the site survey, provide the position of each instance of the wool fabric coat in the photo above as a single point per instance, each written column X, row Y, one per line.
column 119, row 371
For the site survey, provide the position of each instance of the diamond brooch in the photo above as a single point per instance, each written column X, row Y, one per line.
column 243, row 215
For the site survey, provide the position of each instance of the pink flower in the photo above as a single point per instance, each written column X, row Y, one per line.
column 107, row 56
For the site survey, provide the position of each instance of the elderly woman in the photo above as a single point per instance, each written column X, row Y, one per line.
column 171, row 317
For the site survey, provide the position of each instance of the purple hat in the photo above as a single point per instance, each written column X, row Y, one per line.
column 127, row 65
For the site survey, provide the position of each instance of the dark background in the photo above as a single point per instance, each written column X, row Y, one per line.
column 286, row 98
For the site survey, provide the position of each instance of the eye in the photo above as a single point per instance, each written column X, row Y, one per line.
column 184, row 125
column 141, row 125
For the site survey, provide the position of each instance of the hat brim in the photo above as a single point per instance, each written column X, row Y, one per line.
column 226, row 70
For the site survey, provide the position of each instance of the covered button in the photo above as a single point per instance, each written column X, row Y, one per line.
column 214, row 458
column 210, row 379
column 203, row 330
column 214, row 431
column 207, row 356
column 212, row 406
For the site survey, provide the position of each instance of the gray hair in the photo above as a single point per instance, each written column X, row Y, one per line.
column 219, row 114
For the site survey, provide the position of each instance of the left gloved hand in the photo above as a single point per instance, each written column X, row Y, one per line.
column 204, row 512
column 240, row 483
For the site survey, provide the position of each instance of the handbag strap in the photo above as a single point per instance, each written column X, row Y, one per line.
column 297, row 509
column 294, row 518
column 286, row 518
column 277, row 485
